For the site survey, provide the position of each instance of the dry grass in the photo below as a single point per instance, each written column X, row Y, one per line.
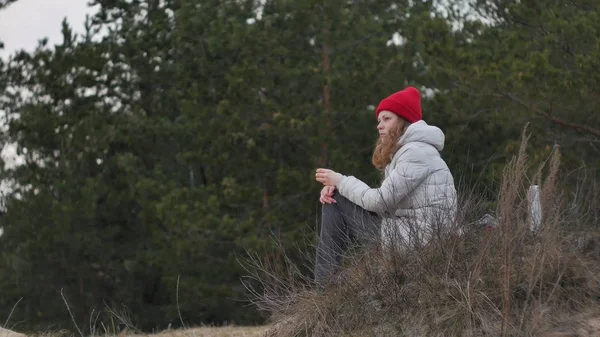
column 119, row 324
column 512, row 281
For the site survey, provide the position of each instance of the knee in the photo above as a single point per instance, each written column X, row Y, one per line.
column 328, row 209
column 340, row 199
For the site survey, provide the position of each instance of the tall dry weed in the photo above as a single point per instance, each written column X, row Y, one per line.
column 516, row 280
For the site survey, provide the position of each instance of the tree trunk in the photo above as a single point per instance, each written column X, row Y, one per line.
column 326, row 127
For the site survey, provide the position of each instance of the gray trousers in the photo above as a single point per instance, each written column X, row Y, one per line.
column 342, row 224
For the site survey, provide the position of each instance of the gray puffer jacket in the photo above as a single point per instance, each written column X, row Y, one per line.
column 417, row 193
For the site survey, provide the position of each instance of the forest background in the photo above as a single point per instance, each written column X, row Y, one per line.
column 173, row 137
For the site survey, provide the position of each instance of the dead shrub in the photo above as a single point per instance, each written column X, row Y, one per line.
column 519, row 279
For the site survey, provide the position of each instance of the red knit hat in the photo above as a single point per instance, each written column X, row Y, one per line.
column 405, row 103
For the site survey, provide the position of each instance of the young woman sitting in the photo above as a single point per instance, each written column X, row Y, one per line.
column 416, row 197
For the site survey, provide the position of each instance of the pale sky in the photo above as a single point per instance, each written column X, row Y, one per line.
column 25, row 22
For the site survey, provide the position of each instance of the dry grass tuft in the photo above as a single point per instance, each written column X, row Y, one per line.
column 522, row 279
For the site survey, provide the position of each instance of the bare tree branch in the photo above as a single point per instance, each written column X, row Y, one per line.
column 5, row 3
column 575, row 126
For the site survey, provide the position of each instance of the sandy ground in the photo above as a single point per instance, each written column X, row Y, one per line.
column 8, row 333
column 587, row 327
column 213, row 332
column 193, row 332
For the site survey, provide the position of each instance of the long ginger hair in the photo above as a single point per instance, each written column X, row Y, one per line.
column 387, row 146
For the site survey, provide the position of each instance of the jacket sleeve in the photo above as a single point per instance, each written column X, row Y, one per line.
column 409, row 172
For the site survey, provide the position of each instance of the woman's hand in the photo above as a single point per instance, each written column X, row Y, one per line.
column 327, row 195
column 328, row 177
